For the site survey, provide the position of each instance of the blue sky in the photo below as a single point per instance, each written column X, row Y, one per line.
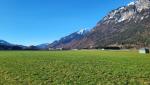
column 34, row 22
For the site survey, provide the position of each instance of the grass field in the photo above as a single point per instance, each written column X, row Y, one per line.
column 74, row 68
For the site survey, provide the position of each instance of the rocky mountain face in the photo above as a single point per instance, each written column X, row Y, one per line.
column 127, row 26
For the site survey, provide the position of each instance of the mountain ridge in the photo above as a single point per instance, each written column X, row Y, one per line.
column 67, row 41
column 127, row 26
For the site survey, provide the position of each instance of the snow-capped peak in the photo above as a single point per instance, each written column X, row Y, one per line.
column 131, row 11
column 82, row 31
column 131, row 3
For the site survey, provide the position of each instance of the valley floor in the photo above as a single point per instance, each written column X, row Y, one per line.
column 91, row 67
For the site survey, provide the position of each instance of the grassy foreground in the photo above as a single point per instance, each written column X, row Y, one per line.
column 74, row 68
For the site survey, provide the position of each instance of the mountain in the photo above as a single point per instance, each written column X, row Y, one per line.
column 127, row 26
column 44, row 46
column 4, row 45
column 70, row 41
column 2, row 42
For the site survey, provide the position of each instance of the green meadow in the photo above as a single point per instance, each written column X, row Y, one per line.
column 93, row 67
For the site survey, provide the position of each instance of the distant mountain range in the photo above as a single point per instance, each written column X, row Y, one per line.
column 2, row 42
column 4, row 45
column 126, row 27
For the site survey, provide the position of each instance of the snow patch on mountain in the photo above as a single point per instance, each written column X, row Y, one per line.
column 131, row 3
column 82, row 31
